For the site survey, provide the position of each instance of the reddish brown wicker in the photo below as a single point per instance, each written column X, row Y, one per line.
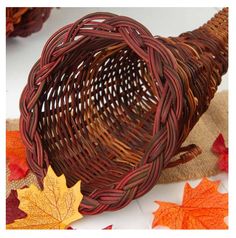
column 109, row 104
column 23, row 21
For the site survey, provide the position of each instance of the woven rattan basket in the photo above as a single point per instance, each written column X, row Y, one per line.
column 23, row 21
column 109, row 104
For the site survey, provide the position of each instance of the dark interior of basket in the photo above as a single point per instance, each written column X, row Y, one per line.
column 97, row 114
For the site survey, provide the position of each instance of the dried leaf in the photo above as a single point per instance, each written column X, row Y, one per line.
column 220, row 149
column 55, row 207
column 203, row 207
column 12, row 208
column 16, row 156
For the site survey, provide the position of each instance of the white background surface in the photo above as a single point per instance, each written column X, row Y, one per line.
column 22, row 53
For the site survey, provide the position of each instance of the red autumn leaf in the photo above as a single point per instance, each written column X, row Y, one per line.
column 108, row 227
column 202, row 207
column 223, row 162
column 220, row 149
column 218, row 146
column 12, row 208
column 16, row 156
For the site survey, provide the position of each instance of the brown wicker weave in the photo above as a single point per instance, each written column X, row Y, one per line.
column 109, row 104
column 23, row 21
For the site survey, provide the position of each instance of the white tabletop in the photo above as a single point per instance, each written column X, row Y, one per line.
column 22, row 53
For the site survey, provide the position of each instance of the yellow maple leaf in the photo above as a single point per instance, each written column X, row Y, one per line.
column 55, row 207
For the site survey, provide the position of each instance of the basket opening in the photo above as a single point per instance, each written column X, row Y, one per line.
column 97, row 114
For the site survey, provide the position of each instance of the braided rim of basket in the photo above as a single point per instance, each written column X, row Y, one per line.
column 172, row 122
column 24, row 21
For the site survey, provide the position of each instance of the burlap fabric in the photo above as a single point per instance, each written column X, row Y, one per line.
column 213, row 122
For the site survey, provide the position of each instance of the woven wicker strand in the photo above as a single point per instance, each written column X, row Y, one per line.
column 23, row 21
column 110, row 105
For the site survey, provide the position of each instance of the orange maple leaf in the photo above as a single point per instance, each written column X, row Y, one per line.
column 16, row 155
column 203, row 207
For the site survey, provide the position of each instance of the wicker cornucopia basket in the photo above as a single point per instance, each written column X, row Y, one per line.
column 23, row 21
column 110, row 105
